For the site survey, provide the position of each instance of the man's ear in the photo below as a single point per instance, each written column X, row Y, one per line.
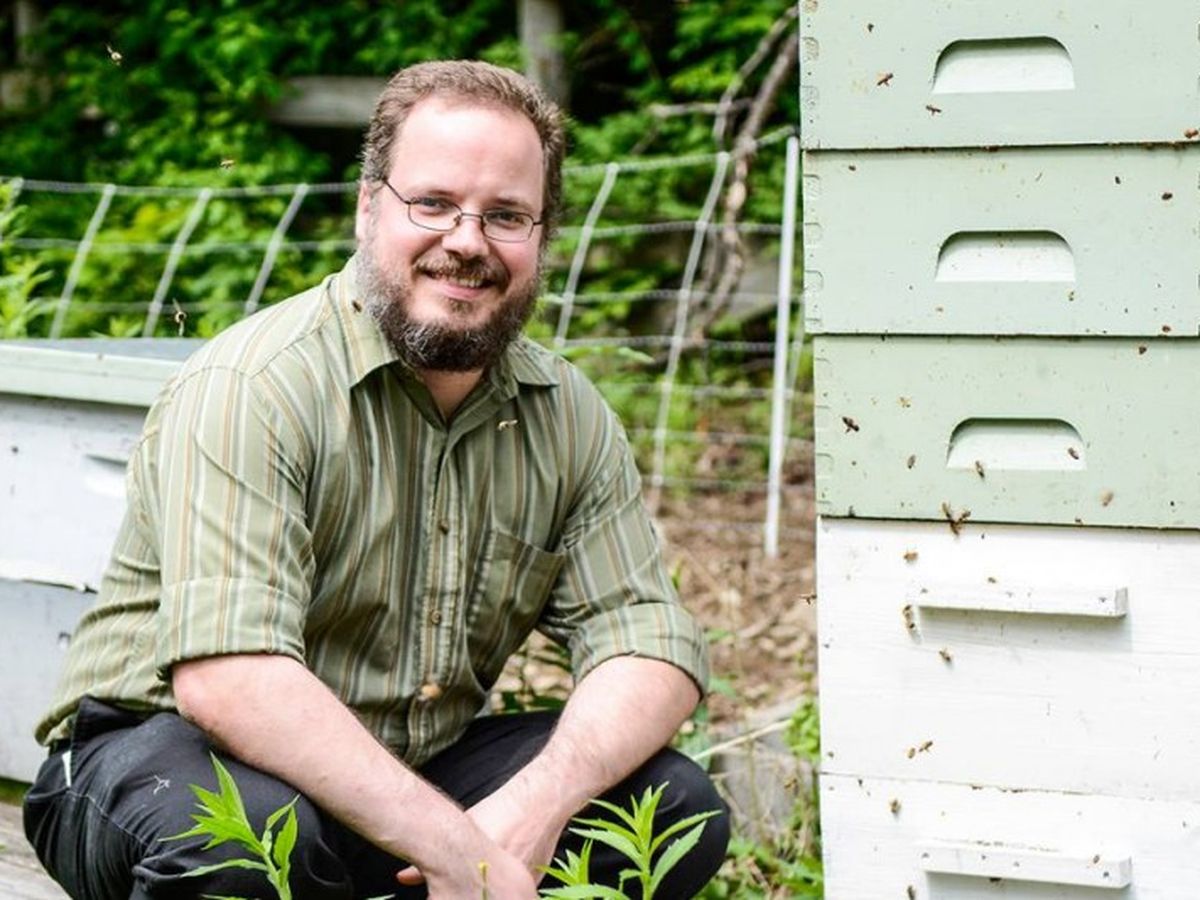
column 362, row 210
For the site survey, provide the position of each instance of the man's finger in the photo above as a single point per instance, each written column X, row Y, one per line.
column 411, row 876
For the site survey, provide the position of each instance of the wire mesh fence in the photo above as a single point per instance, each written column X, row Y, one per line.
column 709, row 396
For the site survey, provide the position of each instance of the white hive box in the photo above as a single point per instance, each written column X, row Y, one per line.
column 70, row 413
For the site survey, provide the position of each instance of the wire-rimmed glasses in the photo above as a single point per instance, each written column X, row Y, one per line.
column 439, row 214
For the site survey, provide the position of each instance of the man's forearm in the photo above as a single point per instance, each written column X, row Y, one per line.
column 271, row 712
column 623, row 712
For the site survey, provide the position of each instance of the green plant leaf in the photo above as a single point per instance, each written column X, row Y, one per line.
column 282, row 852
column 229, row 791
column 672, row 855
column 228, row 864
column 643, row 814
column 220, row 829
column 614, row 839
column 222, row 817
column 575, row 869
column 625, row 816
column 681, row 825
column 585, row 892
column 280, row 813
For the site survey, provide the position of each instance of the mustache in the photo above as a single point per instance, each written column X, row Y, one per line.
column 441, row 265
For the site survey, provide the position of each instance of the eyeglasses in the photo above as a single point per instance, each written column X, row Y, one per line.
column 436, row 214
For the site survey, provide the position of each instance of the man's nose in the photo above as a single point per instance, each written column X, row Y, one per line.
column 466, row 238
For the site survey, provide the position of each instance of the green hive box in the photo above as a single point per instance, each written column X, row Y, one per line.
column 1027, row 430
column 952, row 73
column 1038, row 241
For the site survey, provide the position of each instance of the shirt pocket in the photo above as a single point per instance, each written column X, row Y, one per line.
column 513, row 583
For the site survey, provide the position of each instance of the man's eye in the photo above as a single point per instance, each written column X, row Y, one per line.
column 430, row 204
column 506, row 218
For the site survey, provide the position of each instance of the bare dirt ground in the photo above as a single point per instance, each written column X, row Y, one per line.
column 758, row 611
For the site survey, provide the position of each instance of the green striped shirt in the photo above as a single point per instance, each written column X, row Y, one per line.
column 296, row 491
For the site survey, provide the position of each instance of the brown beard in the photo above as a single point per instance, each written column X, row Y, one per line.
column 441, row 346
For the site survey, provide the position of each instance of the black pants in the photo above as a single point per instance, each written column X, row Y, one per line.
column 100, row 808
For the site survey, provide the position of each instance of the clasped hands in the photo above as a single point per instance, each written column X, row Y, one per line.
column 515, row 844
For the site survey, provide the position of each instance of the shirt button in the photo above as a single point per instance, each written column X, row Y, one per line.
column 435, row 617
column 444, row 526
column 429, row 692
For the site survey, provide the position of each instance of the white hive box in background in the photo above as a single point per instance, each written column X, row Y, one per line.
column 70, row 413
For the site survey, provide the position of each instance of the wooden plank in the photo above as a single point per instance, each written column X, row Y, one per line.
column 883, row 443
column 62, row 476
column 37, row 370
column 916, row 73
column 1047, row 257
column 21, row 875
column 330, row 101
column 1051, row 702
column 875, row 832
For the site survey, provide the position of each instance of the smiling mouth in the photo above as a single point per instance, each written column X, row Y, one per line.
column 471, row 275
column 464, row 281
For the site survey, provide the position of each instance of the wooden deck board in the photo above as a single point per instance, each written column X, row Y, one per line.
column 21, row 876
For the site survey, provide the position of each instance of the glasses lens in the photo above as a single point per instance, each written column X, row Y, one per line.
column 433, row 213
column 504, row 225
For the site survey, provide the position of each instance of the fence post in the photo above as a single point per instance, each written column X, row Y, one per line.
column 81, row 255
column 779, row 385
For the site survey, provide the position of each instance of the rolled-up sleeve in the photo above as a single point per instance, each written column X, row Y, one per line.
column 614, row 596
column 236, row 552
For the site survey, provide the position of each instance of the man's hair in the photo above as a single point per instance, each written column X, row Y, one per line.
column 471, row 83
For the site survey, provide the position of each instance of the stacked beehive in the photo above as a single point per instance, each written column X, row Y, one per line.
column 70, row 414
column 1002, row 224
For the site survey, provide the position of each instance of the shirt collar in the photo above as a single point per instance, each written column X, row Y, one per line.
column 523, row 362
column 366, row 347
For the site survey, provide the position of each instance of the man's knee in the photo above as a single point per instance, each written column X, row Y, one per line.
column 315, row 868
column 689, row 792
column 106, row 817
column 183, row 868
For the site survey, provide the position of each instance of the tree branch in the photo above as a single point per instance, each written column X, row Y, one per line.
column 730, row 257
column 727, row 104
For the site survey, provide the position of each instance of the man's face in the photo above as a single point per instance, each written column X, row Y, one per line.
column 452, row 300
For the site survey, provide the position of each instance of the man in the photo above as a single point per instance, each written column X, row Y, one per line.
column 345, row 513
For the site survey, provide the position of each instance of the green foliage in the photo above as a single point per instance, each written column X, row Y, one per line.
column 755, row 871
column 628, row 56
column 632, row 835
column 803, row 734
column 156, row 92
column 789, row 866
column 12, row 792
column 222, row 819
column 20, row 277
